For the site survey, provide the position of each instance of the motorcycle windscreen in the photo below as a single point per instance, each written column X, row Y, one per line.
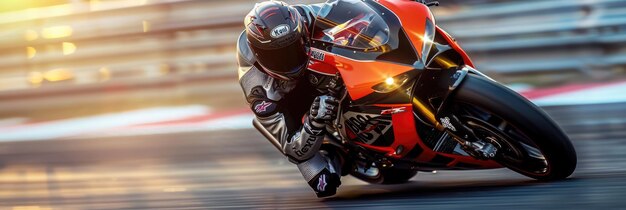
column 351, row 24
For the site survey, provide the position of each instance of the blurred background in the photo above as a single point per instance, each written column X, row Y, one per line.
column 104, row 55
column 159, row 76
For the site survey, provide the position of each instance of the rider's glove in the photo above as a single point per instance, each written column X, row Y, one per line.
column 323, row 110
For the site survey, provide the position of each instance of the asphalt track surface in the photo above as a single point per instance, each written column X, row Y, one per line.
column 239, row 169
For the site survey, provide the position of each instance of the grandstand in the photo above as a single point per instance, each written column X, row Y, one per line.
column 69, row 43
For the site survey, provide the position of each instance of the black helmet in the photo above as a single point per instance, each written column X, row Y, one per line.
column 278, row 38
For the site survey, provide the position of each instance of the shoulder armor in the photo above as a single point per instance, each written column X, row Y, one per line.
column 257, row 85
column 244, row 54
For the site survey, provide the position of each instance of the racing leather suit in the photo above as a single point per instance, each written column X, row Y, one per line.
column 280, row 105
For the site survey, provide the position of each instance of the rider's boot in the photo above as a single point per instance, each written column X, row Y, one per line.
column 322, row 173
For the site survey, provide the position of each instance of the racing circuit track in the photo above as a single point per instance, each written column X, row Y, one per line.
column 239, row 169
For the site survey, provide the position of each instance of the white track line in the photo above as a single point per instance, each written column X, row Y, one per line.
column 236, row 122
column 71, row 127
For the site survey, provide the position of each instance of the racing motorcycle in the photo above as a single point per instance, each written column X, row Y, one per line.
column 412, row 100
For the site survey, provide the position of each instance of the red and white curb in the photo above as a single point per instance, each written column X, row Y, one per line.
column 198, row 118
column 612, row 92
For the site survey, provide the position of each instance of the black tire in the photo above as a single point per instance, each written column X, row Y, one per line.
column 387, row 176
column 560, row 156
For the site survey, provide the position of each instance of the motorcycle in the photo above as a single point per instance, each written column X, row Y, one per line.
column 412, row 100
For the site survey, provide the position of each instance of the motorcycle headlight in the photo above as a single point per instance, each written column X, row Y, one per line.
column 391, row 83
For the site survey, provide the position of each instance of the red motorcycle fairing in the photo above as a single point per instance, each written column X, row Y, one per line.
column 384, row 123
column 413, row 17
column 455, row 46
column 371, row 128
column 405, row 10
column 359, row 76
column 386, row 127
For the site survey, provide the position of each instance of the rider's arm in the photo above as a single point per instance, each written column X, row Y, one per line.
column 299, row 141
column 266, row 97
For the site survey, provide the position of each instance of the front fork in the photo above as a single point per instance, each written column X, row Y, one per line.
column 432, row 102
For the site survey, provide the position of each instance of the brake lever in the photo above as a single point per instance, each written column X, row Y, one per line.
column 334, row 85
column 335, row 89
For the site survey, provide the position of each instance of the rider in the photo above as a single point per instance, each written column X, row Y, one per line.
column 273, row 54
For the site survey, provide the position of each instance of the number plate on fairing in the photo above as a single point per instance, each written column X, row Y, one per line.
column 366, row 128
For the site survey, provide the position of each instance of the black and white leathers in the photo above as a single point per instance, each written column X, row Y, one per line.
column 281, row 105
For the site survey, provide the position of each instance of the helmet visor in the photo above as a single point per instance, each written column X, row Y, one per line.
column 288, row 61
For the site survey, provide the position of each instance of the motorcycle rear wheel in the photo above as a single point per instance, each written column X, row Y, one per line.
column 526, row 137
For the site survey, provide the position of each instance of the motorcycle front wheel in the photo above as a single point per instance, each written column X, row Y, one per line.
column 528, row 140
